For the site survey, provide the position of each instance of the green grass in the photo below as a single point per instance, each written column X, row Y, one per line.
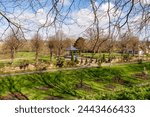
column 98, row 83
column 30, row 56
column 25, row 54
column 21, row 56
column 97, row 55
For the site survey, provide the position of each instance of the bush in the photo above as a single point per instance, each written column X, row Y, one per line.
column 76, row 61
column 86, row 61
column 103, row 58
column 140, row 61
column 60, row 62
column 2, row 65
column 126, row 57
column 110, row 58
column 70, row 64
column 24, row 64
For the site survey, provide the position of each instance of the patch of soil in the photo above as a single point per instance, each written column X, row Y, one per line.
column 54, row 98
column 84, row 87
column 14, row 96
column 110, row 86
column 8, row 97
column 119, row 80
column 99, row 80
column 142, row 76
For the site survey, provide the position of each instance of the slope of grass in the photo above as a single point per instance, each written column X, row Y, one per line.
column 117, row 82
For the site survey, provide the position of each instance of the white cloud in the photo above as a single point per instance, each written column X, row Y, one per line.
column 83, row 18
column 145, row 2
column 40, row 11
column 107, row 6
column 65, row 2
column 27, row 19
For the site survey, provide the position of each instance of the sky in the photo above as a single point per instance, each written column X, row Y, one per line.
column 31, row 16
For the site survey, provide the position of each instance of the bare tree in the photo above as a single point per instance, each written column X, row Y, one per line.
column 133, row 44
column 60, row 37
column 51, row 44
column 119, row 13
column 95, row 39
column 37, row 44
column 124, row 43
column 109, row 46
column 13, row 43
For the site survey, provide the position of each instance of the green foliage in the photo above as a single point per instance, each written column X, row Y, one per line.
column 101, row 60
column 72, row 56
column 25, row 54
column 76, row 60
column 126, row 57
column 134, row 93
column 60, row 62
column 117, row 82
column 140, row 61
column 86, row 61
column 2, row 64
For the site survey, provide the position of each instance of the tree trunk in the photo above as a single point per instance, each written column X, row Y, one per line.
column 133, row 52
column 122, row 54
column 59, row 52
column 12, row 55
column 36, row 57
column 51, row 54
column 72, row 56
column 110, row 58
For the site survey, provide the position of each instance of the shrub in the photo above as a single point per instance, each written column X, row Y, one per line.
column 24, row 64
column 60, row 62
column 140, row 61
column 70, row 63
column 76, row 61
column 126, row 57
column 103, row 58
column 86, row 61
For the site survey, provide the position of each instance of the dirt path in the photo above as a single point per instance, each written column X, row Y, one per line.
column 52, row 70
column 61, row 69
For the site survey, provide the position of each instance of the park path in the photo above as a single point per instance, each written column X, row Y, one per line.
column 61, row 69
column 44, row 71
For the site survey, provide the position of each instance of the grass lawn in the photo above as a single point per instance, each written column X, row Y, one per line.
column 118, row 82
column 25, row 54
column 21, row 56
column 97, row 55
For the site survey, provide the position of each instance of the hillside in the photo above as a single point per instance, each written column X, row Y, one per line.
column 130, row 81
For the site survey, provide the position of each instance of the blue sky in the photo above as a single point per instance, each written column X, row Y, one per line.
column 33, row 15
